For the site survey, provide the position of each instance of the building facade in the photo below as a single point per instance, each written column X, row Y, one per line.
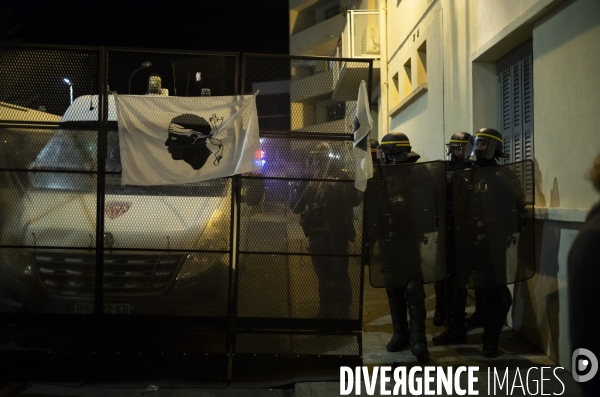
column 524, row 67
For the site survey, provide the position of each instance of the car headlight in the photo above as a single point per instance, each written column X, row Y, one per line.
column 196, row 265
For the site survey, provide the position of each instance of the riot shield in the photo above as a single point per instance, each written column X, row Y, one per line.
column 493, row 209
column 406, row 222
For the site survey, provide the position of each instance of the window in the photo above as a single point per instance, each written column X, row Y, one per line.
column 395, row 90
column 422, row 64
column 336, row 111
column 407, row 84
column 515, row 112
column 515, row 80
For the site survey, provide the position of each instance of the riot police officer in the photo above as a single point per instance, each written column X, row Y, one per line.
column 491, row 212
column 402, row 248
column 450, row 297
column 326, row 217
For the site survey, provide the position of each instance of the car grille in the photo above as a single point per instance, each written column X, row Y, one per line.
column 124, row 274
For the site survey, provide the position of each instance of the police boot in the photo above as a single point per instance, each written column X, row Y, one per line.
column 476, row 320
column 415, row 297
column 457, row 331
column 498, row 303
column 400, row 339
column 439, row 317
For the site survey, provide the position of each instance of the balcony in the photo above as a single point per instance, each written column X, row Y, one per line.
column 319, row 39
column 303, row 5
column 362, row 35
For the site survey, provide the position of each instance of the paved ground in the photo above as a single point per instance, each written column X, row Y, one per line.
column 517, row 355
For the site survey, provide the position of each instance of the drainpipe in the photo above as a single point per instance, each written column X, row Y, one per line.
column 384, row 119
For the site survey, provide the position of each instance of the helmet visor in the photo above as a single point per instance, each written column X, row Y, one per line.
column 456, row 151
column 481, row 147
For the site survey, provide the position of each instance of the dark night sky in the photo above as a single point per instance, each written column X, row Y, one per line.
column 259, row 26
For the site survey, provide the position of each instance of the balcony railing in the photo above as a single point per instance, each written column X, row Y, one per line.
column 362, row 32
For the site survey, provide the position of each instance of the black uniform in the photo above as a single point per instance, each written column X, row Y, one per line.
column 489, row 212
column 326, row 217
column 449, row 295
column 402, row 245
column 450, row 301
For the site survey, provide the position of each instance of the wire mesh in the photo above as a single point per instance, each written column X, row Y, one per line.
column 49, row 209
column 288, row 157
column 172, row 357
column 297, row 344
column 166, row 283
column 39, row 84
column 304, row 191
column 167, row 250
column 303, row 200
column 19, row 147
column 304, row 94
column 279, row 223
column 165, row 340
column 159, row 239
column 298, row 287
column 182, row 73
column 193, row 216
column 48, row 281
column 365, row 34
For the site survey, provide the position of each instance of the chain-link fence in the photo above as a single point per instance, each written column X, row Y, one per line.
column 78, row 247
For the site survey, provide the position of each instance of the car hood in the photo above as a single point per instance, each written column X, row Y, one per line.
column 155, row 222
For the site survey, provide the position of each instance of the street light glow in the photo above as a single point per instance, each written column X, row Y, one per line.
column 70, row 88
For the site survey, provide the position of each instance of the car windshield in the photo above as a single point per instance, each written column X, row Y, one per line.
column 75, row 151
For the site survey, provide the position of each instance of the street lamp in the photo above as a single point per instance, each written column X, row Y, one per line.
column 70, row 88
column 146, row 64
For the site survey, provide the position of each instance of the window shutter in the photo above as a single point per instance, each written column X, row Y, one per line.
column 505, row 111
column 517, row 103
column 528, row 118
column 515, row 113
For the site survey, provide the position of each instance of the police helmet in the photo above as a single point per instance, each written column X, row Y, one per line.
column 325, row 159
column 395, row 143
column 485, row 143
column 455, row 149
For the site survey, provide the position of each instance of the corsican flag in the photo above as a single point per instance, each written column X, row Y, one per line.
column 362, row 125
column 175, row 140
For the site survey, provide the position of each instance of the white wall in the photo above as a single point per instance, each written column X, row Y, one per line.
column 540, row 305
column 566, row 52
column 491, row 16
column 566, row 81
column 423, row 121
column 403, row 16
column 457, row 71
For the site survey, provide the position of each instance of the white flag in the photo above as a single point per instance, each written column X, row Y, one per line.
column 362, row 153
column 175, row 140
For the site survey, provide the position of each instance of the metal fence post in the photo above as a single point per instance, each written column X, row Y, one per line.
column 101, row 183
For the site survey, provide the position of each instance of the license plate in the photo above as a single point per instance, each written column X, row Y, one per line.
column 109, row 308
